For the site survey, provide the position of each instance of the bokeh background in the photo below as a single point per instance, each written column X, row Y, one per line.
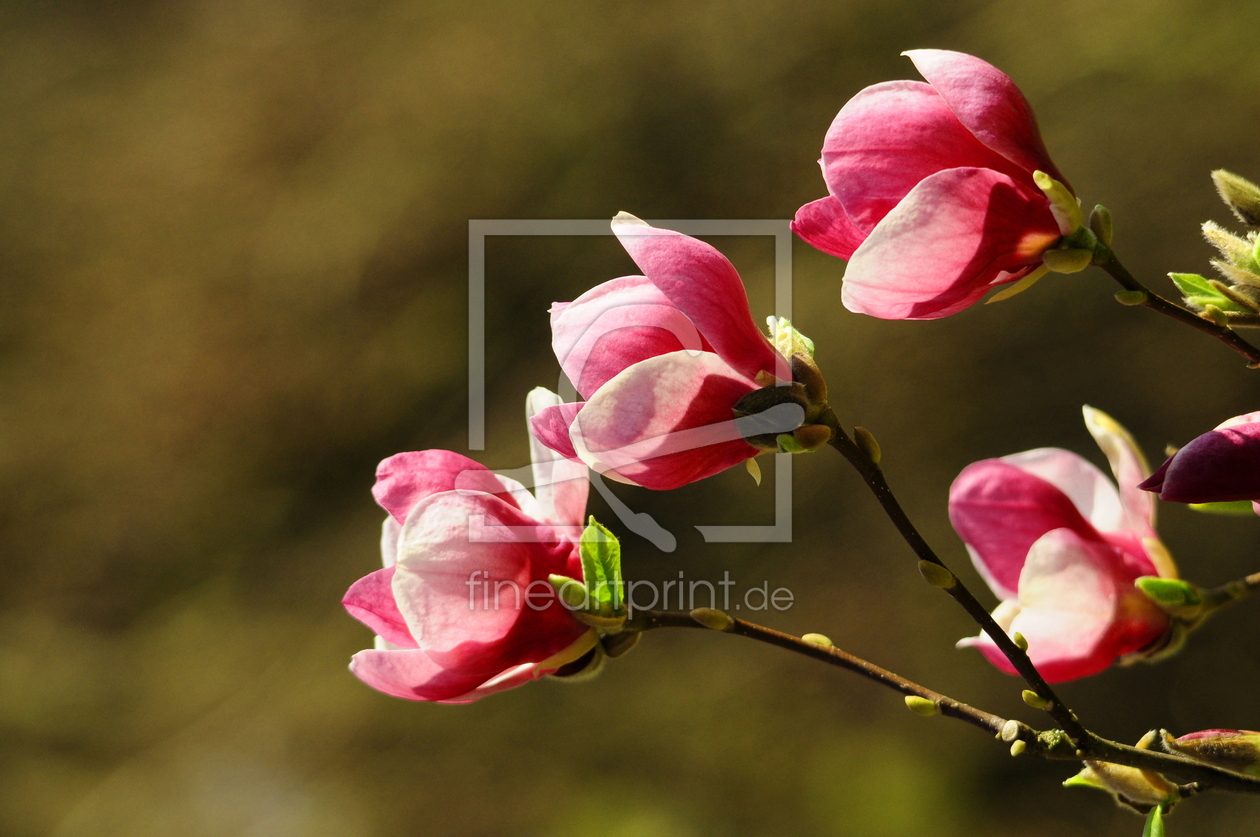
column 233, row 276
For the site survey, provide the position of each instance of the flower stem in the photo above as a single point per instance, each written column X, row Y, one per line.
column 1105, row 258
column 1049, row 744
column 874, row 479
column 1216, row 597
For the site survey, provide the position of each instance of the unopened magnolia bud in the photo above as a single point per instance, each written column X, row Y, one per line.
column 922, row 706
column 1131, row 297
column 1240, row 195
column 1237, row 251
column 1101, row 224
column 818, row 639
column 1067, row 261
column 1034, row 700
column 1020, row 642
column 617, row 644
column 1010, row 731
column 713, row 619
column 866, row 441
column 1136, row 788
column 1233, row 749
column 571, row 591
column 1018, row 747
column 936, row 575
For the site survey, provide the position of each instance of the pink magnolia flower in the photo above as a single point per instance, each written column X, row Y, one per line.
column 660, row 359
column 1061, row 547
column 1222, row 465
column 463, row 550
column 931, row 192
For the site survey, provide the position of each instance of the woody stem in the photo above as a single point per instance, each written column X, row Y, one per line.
column 875, row 481
column 1105, row 258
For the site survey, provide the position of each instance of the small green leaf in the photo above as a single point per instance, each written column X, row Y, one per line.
column 1199, row 292
column 601, row 568
column 1169, row 592
column 1154, row 823
column 1238, row 507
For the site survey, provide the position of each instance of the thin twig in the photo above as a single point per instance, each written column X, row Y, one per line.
column 874, row 479
column 1049, row 744
column 1157, row 303
column 1232, row 591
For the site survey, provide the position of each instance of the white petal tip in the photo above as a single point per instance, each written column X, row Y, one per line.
column 625, row 218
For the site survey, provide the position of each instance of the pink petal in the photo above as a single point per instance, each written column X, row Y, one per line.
column 614, row 325
column 989, row 105
column 510, row 679
column 560, row 485
column 946, row 244
column 824, row 225
column 1087, row 487
column 551, row 427
column 411, row 674
column 465, row 565
column 665, row 422
column 1000, row 511
column 371, row 601
column 1080, row 611
column 389, row 540
column 703, row 285
column 404, row 479
column 889, row 137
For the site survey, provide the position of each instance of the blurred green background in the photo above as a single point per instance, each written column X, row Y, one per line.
column 233, row 276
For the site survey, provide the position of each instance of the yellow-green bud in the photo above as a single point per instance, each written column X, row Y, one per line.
column 1131, row 297
column 922, row 706
column 1020, row 642
column 1018, row 747
column 818, row 639
column 713, row 619
column 1101, row 225
column 936, row 575
column 867, row 443
column 1067, row 261
column 1034, row 700
column 1240, row 195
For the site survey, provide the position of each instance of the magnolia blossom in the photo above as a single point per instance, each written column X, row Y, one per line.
column 463, row 548
column 1222, row 465
column 931, row 192
column 660, row 359
column 1061, row 547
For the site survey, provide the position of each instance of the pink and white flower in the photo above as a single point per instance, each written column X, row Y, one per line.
column 931, row 193
column 463, row 549
column 660, row 359
column 1220, row 466
column 1061, row 547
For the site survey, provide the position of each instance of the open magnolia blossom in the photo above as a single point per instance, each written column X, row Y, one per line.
column 1221, row 466
column 1061, row 547
column 463, row 547
column 932, row 198
column 661, row 360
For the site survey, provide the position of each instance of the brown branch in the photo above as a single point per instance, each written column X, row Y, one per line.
column 1158, row 304
column 1050, row 744
column 874, row 479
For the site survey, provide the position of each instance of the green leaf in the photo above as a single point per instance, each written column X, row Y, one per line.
column 1199, row 292
column 1154, row 823
column 601, row 568
column 1169, row 592
column 1238, row 507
